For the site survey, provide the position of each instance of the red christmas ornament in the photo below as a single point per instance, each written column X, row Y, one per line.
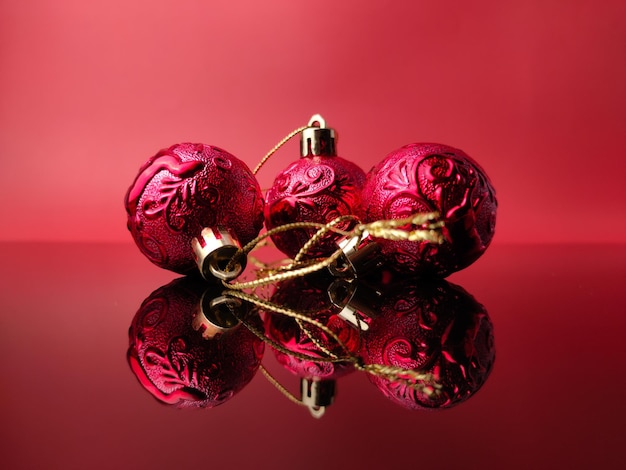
column 319, row 187
column 429, row 178
column 194, row 191
column 175, row 359
column 436, row 328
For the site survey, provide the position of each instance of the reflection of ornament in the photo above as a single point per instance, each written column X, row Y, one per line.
column 433, row 178
column 185, row 189
column 309, row 296
column 432, row 327
column 317, row 188
column 173, row 359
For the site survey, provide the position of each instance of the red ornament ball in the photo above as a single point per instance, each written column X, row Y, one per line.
column 318, row 187
column 182, row 190
column 175, row 363
column 426, row 177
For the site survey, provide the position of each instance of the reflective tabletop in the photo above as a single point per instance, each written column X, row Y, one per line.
column 73, row 397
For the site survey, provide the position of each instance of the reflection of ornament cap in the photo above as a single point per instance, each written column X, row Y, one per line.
column 355, row 303
column 216, row 315
column 317, row 395
column 214, row 250
column 318, row 140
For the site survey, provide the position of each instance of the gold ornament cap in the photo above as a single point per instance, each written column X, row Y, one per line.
column 318, row 140
column 214, row 250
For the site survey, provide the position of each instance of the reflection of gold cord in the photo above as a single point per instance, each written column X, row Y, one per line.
column 265, row 304
column 313, row 339
column 280, row 387
column 276, row 147
column 424, row 382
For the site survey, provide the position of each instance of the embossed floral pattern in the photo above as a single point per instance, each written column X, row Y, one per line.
column 426, row 178
column 183, row 189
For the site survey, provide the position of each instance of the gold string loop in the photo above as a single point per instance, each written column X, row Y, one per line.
column 428, row 228
column 323, row 231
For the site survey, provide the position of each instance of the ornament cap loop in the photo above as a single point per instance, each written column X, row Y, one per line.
column 214, row 251
column 318, row 140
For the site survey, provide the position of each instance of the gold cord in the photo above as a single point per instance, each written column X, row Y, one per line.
column 257, row 241
column 429, row 229
column 321, row 232
column 286, row 275
column 280, row 387
column 276, row 147
column 314, row 340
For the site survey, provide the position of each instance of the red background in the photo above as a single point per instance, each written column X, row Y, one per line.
column 533, row 90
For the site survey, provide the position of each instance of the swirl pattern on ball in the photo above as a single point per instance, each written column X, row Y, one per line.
column 175, row 363
column 433, row 177
column 312, row 189
column 183, row 189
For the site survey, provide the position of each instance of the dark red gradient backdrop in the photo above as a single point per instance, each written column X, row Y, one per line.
column 533, row 90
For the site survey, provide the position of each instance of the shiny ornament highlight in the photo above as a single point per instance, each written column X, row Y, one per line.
column 185, row 189
column 427, row 177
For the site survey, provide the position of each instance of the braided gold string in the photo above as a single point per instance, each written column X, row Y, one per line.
column 309, row 334
column 429, row 229
column 286, row 275
column 276, row 147
column 390, row 229
column 261, row 238
column 321, row 232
